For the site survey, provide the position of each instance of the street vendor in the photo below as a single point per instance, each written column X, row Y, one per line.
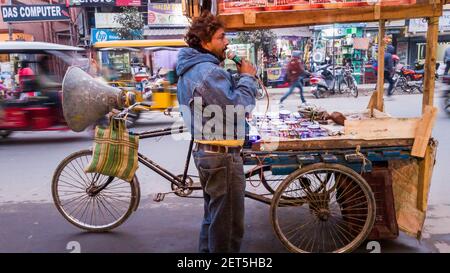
column 205, row 90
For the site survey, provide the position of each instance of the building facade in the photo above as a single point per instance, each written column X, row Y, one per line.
column 60, row 32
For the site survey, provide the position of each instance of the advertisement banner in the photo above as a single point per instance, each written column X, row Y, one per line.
column 166, row 15
column 106, row 20
column 127, row 3
column 90, row 3
column 102, row 35
column 25, row 13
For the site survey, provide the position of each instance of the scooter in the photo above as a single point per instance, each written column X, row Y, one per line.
column 323, row 82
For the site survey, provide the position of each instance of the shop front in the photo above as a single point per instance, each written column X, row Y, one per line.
column 341, row 44
column 395, row 34
column 276, row 58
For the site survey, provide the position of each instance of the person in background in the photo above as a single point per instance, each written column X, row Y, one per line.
column 4, row 91
column 447, row 60
column 295, row 74
column 26, row 80
column 389, row 68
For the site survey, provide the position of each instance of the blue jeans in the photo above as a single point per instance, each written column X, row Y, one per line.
column 388, row 78
column 297, row 84
column 223, row 182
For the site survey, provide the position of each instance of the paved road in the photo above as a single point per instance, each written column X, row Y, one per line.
column 30, row 223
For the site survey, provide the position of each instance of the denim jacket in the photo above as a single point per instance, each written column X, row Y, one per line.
column 204, row 89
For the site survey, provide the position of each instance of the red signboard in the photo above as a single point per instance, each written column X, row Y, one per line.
column 135, row 3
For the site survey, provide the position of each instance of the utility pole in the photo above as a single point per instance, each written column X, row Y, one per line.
column 10, row 30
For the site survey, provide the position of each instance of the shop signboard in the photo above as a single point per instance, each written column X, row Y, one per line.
column 275, row 75
column 389, row 24
column 420, row 25
column 106, row 20
column 90, row 3
column 17, row 37
column 102, row 35
column 126, row 3
column 166, row 15
column 26, row 13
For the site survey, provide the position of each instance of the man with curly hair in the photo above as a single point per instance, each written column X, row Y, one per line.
column 206, row 93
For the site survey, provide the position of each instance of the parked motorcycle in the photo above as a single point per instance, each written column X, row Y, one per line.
column 418, row 72
column 403, row 84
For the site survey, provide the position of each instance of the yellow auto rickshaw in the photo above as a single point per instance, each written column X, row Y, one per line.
column 144, row 67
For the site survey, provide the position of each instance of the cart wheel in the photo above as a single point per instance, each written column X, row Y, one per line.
column 74, row 199
column 264, row 175
column 331, row 209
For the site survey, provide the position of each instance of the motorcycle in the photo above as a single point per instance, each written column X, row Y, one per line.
column 402, row 82
column 417, row 73
column 411, row 80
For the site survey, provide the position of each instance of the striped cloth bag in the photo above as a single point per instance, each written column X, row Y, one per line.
column 115, row 151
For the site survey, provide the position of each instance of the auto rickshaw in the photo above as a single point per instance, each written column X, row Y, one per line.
column 144, row 67
column 33, row 102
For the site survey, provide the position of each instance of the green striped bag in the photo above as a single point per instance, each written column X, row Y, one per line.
column 115, row 151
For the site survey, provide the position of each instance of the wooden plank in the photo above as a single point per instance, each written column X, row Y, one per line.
column 426, row 166
column 249, row 17
column 430, row 62
column 377, row 11
column 196, row 6
column 386, row 128
column 423, row 132
column 290, row 18
column 380, row 71
column 372, row 103
column 328, row 143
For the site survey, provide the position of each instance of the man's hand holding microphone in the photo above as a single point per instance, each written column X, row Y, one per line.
column 243, row 66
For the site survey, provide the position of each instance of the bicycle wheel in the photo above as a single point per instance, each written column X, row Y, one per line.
column 353, row 87
column 333, row 212
column 75, row 197
column 400, row 84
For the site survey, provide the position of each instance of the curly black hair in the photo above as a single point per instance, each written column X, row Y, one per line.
column 202, row 29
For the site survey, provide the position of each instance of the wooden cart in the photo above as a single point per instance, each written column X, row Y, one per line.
column 386, row 162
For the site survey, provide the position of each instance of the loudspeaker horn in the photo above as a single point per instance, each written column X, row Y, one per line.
column 86, row 100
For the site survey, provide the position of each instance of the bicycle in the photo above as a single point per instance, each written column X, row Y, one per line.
column 347, row 83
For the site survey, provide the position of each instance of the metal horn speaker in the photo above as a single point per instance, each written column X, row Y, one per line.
column 86, row 100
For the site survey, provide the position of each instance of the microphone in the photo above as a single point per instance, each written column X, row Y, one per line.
column 235, row 58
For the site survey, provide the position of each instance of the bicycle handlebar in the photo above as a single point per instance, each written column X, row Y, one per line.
column 122, row 114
